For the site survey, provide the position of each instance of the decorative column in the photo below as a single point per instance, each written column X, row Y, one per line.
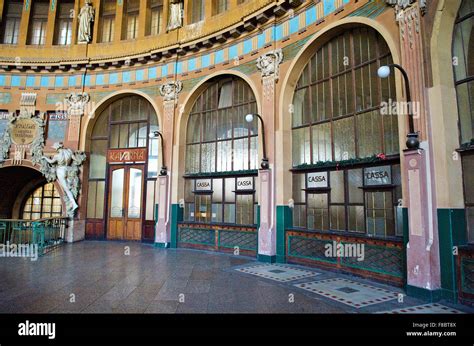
column 76, row 104
column 169, row 92
column 268, row 64
column 423, row 260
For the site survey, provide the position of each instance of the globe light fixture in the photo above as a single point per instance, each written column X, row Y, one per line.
column 412, row 136
column 249, row 118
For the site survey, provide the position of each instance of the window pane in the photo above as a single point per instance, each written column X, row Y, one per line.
column 244, row 208
column 301, row 146
column 98, row 159
column 299, row 194
column 337, row 186
column 465, row 94
column 369, row 129
column 100, row 201
column 135, row 193
column 150, row 199
column 317, row 211
column 344, row 147
column 116, row 200
column 338, row 217
column 322, row 142
column 91, row 199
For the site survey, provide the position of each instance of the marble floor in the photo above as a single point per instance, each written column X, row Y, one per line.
column 119, row 277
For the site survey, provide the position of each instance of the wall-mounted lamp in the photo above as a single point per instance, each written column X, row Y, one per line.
column 249, row 118
column 412, row 136
column 164, row 169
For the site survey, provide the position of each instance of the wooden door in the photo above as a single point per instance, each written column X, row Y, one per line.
column 125, row 202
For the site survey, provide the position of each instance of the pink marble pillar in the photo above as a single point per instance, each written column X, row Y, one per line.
column 162, row 228
column 423, row 269
column 266, row 231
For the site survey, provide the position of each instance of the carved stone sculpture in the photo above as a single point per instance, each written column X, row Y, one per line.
column 170, row 91
column 64, row 167
column 401, row 5
column 269, row 63
column 86, row 17
column 176, row 17
column 76, row 103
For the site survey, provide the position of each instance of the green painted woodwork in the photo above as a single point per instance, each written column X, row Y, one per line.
column 452, row 232
column 284, row 220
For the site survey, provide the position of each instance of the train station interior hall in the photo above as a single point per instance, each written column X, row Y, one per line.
column 237, row 156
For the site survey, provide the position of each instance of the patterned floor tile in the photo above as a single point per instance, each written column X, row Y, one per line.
column 355, row 294
column 277, row 272
column 433, row 308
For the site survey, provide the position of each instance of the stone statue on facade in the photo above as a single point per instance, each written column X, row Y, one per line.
column 176, row 15
column 64, row 167
column 86, row 17
column 170, row 91
column 269, row 63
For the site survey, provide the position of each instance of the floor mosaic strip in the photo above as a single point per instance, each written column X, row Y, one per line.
column 354, row 294
column 277, row 272
column 433, row 308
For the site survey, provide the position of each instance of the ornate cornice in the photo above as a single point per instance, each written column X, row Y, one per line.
column 248, row 18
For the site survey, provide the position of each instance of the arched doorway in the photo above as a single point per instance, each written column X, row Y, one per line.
column 123, row 168
column 220, row 197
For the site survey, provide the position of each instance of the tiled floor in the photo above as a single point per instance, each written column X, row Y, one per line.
column 101, row 277
column 433, row 308
column 277, row 272
column 354, row 294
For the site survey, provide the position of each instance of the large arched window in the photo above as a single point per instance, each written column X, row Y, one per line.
column 342, row 120
column 44, row 202
column 463, row 58
column 221, row 155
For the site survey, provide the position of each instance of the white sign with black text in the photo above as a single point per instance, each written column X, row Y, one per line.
column 203, row 185
column 317, row 180
column 245, row 184
column 381, row 175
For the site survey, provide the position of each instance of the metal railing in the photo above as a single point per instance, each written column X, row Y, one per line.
column 44, row 233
